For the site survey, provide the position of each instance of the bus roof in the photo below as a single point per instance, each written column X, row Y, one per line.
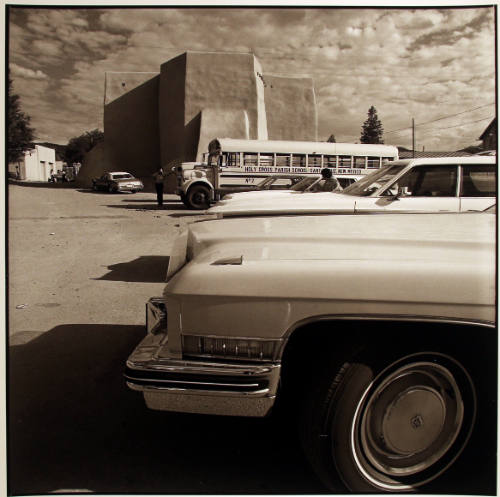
column 301, row 147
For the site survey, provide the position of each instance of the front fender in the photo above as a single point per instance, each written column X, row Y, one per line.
column 196, row 181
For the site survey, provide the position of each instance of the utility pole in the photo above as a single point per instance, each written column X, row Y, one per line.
column 413, row 135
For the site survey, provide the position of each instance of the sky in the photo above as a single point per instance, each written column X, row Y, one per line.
column 436, row 66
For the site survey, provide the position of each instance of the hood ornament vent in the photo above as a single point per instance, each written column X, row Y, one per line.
column 229, row 261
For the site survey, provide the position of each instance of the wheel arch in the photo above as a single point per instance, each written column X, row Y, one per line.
column 196, row 182
column 340, row 337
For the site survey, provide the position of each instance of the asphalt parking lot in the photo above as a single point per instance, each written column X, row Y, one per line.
column 81, row 267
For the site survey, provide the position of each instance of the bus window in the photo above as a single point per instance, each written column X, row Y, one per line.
column 283, row 160
column 373, row 162
column 314, row 160
column 249, row 159
column 233, row 159
column 345, row 161
column 359, row 162
column 330, row 161
column 266, row 160
column 299, row 160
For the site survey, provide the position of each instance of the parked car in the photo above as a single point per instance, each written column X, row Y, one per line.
column 377, row 331
column 312, row 183
column 453, row 184
column 117, row 182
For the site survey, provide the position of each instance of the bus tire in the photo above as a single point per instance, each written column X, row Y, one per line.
column 198, row 197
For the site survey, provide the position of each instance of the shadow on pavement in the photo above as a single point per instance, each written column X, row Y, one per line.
column 152, row 206
column 42, row 184
column 144, row 269
column 74, row 425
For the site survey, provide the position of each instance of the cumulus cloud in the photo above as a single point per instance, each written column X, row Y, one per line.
column 25, row 72
column 408, row 63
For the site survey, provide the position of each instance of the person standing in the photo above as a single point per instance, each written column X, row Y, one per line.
column 159, row 178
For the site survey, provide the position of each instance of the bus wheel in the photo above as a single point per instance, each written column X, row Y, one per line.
column 198, row 197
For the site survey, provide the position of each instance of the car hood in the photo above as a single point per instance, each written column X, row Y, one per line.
column 287, row 202
column 252, row 195
column 441, row 238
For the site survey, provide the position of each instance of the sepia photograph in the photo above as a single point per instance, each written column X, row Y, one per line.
column 250, row 249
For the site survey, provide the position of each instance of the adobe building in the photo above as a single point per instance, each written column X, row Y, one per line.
column 161, row 119
column 37, row 164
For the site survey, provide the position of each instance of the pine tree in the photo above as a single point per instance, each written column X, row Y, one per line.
column 372, row 130
column 20, row 133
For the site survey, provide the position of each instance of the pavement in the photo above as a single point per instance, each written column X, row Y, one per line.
column 81, row 266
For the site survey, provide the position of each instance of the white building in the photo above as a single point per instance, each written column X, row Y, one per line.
column 38, row 163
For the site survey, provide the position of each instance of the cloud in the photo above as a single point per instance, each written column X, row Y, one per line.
column 408, row 63
column 25, row 72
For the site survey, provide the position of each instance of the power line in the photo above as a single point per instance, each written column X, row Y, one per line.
column 457, row 125
column 439, row 118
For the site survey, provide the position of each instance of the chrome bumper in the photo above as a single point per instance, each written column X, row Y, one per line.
column 197, row 386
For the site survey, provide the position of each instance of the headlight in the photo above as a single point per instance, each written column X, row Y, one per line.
column 249, row 349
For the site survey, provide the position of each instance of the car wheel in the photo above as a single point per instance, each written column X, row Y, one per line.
column 111, row 189
column 94, row 187
column 391, row 423
column 198, row 197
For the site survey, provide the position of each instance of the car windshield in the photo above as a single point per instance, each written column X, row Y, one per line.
column 122, row 176
column 304, row 183
column 374, row 181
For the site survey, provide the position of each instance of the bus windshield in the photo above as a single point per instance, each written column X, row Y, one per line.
column 372, row 182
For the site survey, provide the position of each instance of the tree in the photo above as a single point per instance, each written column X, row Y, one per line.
column 372, row 130
column 20, row 133
column 331, row 139
column 78, row 146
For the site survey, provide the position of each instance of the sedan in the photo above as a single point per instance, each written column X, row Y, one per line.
column 117, row 182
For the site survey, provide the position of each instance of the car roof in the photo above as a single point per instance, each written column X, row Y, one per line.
column 469, row 159
column 120, row 172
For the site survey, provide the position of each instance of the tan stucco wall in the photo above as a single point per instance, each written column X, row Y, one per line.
column 153, row 119
column 224, row 81
column 221, row 123
column 171, row 102
column 223, row 85
column 93, row 165
column 291, row 108
column 117, row 84
column 131, row 130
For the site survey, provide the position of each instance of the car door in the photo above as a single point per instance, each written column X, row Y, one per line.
column 429, row 188
column 477, row 186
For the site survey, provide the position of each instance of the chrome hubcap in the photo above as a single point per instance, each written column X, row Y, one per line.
column 408, row 419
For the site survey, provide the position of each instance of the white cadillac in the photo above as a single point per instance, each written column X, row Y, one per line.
column 450, row 184
column 377, row 331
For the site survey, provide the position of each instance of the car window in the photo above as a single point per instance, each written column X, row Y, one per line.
column 122, row 176
column 372, row 182
column 478, row 180
column 428, row 181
